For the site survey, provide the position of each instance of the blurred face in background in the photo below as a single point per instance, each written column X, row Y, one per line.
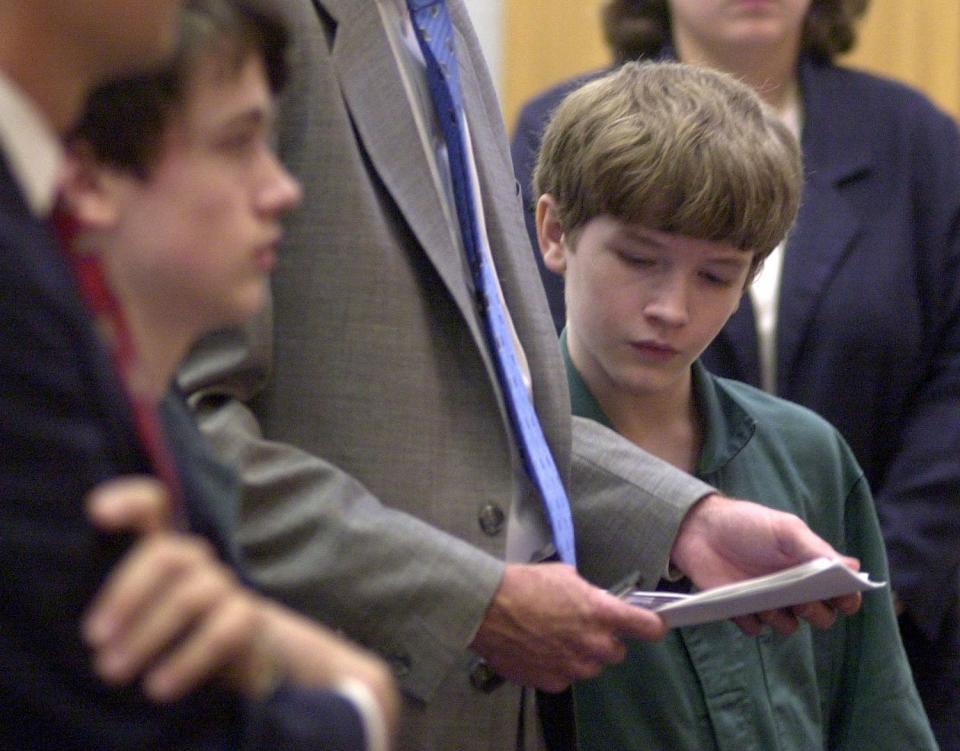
column 215, row 197
column 188, row 247
column 713, row 28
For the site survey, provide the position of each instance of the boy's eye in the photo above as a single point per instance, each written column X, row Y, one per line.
column 239, row 142
column 718, row 280
column 635, row 260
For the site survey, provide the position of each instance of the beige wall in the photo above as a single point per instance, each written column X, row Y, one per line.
column 545, row 41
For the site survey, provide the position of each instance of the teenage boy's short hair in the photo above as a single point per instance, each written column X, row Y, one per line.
column 677, row 148
column 124, row 121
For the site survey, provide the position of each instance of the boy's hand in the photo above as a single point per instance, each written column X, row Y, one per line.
column 170, row 612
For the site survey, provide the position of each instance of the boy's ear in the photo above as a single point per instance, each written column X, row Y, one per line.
column 550, row 236
column 90, row 190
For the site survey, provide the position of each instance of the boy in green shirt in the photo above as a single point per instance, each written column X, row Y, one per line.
column 663, row 187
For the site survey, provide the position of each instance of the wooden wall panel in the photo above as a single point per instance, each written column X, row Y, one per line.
column 546, row 41
column 917, row 41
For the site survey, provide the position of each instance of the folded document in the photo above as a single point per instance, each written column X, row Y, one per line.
column 819, row 579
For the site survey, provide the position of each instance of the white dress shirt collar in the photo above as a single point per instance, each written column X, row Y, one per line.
column 31, row 147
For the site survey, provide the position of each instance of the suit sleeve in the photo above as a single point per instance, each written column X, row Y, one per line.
column 315, row 538
column 627, row 506
column 919, row 495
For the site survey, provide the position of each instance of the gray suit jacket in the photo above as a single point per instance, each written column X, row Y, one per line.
column 375, row 360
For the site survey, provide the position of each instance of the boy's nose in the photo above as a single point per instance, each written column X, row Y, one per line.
column 669, row 303
column 282, row 191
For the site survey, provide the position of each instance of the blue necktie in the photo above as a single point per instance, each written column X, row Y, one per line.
column 434, row 31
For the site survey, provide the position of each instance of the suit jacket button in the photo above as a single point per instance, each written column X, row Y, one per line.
column 491, row 519
column 483, row 677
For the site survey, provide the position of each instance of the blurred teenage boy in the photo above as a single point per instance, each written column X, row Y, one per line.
column 176, row 199
column 663, row 187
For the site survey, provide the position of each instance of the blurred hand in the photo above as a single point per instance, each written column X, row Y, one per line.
column 547, row 627
column 174, row 616
column 722, row 541
column 170, row 611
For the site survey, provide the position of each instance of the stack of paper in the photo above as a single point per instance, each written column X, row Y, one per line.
column 819, row 579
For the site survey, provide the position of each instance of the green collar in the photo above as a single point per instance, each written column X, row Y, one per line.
column 728, row 427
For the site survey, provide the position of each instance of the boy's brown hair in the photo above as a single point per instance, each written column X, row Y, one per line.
column 124, row 120
column 677, row 148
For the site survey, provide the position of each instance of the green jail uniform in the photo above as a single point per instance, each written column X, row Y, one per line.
column 712, row 687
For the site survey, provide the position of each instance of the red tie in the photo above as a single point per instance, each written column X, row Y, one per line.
column 112, row 326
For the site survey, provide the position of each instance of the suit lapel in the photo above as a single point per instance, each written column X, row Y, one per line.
column 835, row 155
column 374, row 94
column 506, row 232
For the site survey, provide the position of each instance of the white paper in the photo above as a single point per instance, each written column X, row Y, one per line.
column 819, row 579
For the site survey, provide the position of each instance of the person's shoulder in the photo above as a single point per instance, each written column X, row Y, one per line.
column 872, row 96
column 536, row 111
column 782, row 420
column 796, row 441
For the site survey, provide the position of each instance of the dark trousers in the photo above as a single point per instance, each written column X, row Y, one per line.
column 557, row 719
column 936, row 671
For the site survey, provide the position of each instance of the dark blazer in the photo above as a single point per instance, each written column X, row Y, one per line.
column 869, row 327
column 64, row 427
column 524, row 148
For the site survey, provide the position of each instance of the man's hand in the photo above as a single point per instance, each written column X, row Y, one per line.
column 722, row 541
column 547, row 627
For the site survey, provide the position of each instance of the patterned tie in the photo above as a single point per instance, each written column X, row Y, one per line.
column 434, row 31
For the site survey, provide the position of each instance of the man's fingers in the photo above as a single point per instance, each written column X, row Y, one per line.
column 124, row 593
column 552, row 683
column 135, row 504
column 848, row 604
column 751, row 625
column 631, row 622
column 782, row 621
column 595, row 647
column 851, row 562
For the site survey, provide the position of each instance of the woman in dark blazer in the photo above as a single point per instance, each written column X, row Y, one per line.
column 866, row 329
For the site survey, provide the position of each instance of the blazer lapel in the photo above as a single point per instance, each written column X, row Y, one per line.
column 825, row 228
column 374, row 93
column 834, row 156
